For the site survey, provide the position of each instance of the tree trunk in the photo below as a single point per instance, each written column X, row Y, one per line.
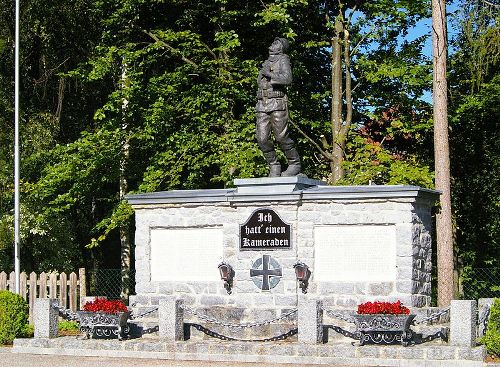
column 442, row 155
column 337, row 171
column 125, row 246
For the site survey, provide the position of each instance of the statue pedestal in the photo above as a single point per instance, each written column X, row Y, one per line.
column 275, row 185
column 362, row 243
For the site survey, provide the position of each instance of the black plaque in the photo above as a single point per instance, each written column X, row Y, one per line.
column 265, row 230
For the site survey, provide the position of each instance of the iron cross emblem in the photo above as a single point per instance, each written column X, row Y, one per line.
column 266, row 272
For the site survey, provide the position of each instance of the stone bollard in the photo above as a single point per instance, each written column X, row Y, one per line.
column 46, row 317
column 171, row 319
column 463, row 315
column 310, row 321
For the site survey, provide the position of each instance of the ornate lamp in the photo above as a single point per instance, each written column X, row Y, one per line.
column 226, row 275
column 303, row 274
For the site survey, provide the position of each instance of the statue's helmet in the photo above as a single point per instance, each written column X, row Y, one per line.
column 284, row 43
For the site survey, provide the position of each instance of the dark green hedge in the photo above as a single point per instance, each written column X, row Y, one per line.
column 13, row 317
column 492, row 337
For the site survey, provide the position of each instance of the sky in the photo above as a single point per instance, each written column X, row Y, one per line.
column 423, row 27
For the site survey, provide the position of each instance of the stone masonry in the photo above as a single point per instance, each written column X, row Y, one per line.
column 305, row 204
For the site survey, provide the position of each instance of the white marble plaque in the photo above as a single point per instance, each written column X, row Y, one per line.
column 361, row 253
column 190, row 254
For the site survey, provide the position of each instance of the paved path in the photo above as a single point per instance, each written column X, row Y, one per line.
column 9, row 359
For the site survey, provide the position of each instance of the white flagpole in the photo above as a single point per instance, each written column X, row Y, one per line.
column 16, row 155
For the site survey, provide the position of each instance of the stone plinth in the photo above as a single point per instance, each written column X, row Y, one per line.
column 463, row 316
column 171, row 319
column 274, row 185
column 310, row 321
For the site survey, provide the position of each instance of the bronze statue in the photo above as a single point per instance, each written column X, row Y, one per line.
column 272, row 109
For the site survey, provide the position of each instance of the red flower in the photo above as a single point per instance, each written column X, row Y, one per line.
column 106, row 306
column 395, row 308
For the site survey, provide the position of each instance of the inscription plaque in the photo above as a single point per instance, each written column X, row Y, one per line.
column 355, row 253
column 186, row 254
column 265, row 230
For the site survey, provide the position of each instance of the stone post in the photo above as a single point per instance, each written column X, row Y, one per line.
column 463, row 315
column 310, row 321
column 46, row 317
column 171, row 319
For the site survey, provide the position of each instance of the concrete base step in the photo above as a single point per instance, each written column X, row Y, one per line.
column 287, row 352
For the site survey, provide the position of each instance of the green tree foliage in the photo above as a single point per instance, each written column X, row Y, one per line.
column 13, row 317
column 387, row 75
column 477, row 175
column 475, row 91
column 173, row 83
column 54, row 110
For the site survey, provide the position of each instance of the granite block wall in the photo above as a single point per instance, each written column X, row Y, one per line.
column 405, row 209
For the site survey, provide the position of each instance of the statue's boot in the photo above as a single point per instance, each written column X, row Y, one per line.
column 274, row 165
column 293, row 158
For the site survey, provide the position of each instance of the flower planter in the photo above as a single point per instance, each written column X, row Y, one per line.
column 103, row 324
column 384, row 328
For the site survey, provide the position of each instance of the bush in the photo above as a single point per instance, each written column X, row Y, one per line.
column 13, row 317
column 492, row 337
column 30, row 331
column 68, row 326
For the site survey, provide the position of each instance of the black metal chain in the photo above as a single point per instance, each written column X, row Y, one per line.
column 133, row 317
column 150, row 330
column 228, row 338
column 483, row 319
column 433, row 317
column 67, row 314
column 340, row 316
column 212, row 320
column 338, row 329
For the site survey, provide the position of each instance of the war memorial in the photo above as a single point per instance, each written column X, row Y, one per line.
column 274, row 269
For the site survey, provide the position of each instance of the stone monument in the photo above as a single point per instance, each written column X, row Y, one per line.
column 361, row 243
column 284, row 250
column 242, row 249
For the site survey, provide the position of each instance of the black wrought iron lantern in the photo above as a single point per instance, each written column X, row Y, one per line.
column 226, row 275
column 303, row 274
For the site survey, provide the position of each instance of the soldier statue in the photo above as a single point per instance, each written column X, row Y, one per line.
column 272, row 109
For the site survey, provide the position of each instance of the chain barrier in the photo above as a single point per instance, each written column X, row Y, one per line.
column 356, row 335
column 339, row 316
column 433, row 317
column 482, row 321
column 150, row 330
column 212, row 320
column 440, row 334
column 67, row 314
column 133, row 317
column 228, row 338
